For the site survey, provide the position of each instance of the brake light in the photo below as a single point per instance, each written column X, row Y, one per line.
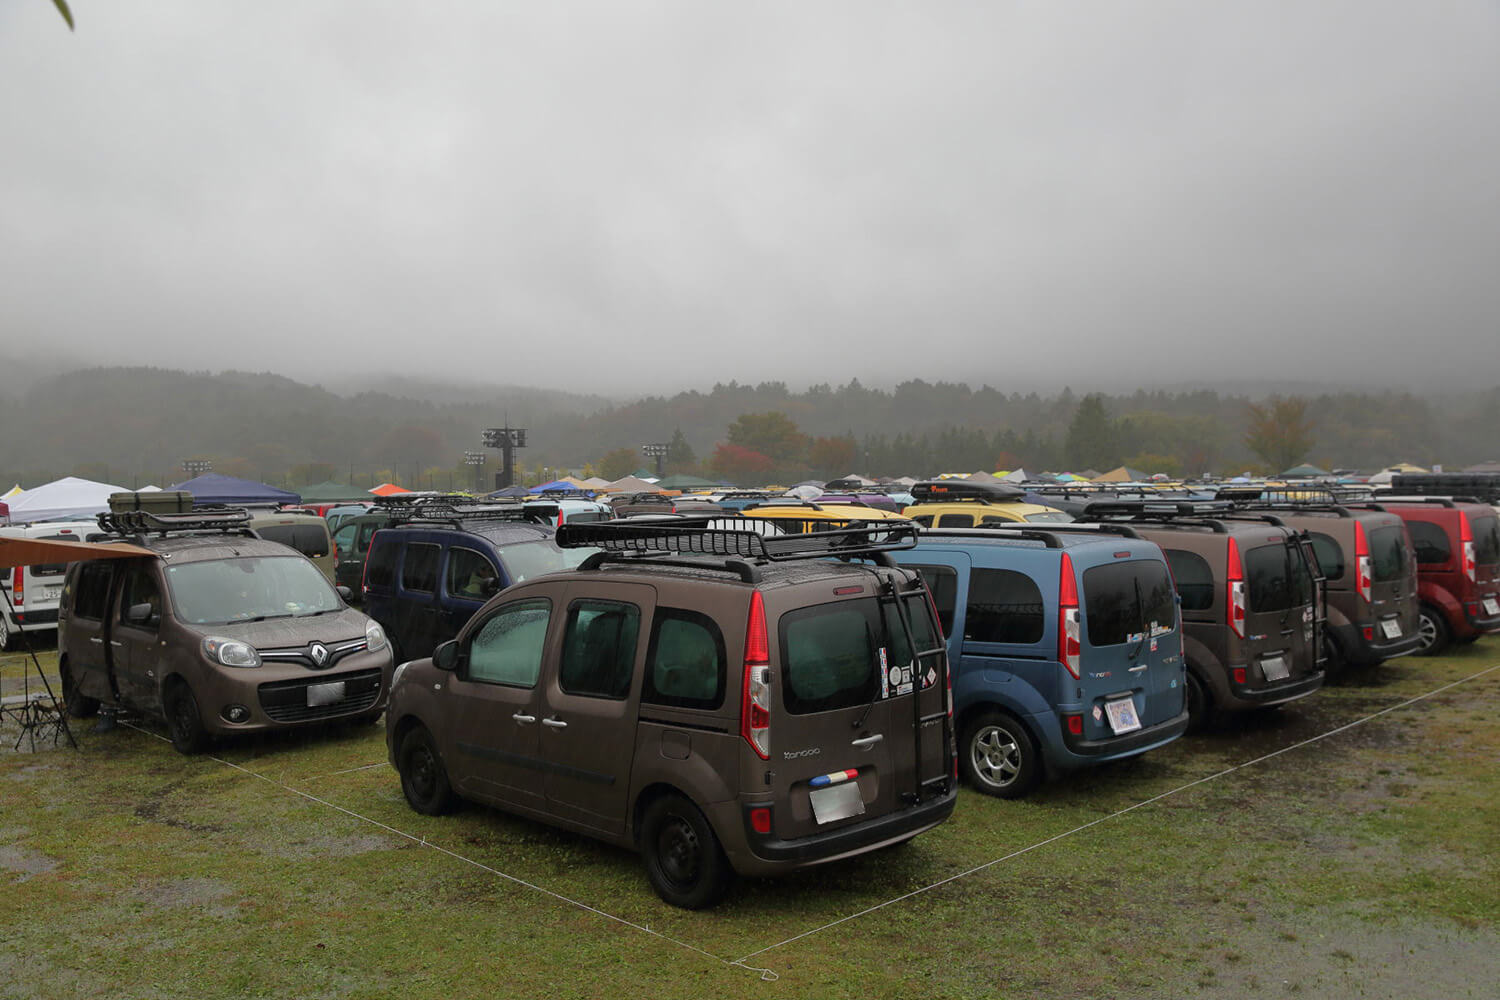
column 755, row 701
column 1361, row 561
column 1466, row 540
column 1069, row 620
column 1235, row 612
column 559, row 517
column 18, row 586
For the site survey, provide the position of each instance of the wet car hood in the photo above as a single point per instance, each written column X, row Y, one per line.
column 276, row 633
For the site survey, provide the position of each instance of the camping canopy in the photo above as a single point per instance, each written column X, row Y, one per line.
column 387, row 489
column 1305, row 472
column 631, row 484
column 683, row 482
column 329, row 491
column 1121, row 475
column 33, row 551
column 67, row 499
column 215, row 488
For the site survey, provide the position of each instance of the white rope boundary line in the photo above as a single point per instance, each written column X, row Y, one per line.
column 767, row 974
column 1114, row 815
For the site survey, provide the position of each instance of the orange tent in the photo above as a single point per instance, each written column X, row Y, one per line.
column 386, row 489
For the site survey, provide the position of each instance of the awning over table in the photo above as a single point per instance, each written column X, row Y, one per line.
column 31, row 551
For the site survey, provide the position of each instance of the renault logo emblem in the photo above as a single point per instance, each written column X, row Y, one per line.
column 319, row 653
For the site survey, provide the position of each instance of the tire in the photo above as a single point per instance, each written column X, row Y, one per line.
column 424, row 779
column 1433, row 629
column 184, row 721
column 999, row 757
column 79, row 706
column 684, row 862
column 1200, row 704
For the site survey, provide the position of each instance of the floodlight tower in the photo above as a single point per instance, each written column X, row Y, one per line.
column 507, row 439
column 195, row 467
column 475, row 460
column 657, row 450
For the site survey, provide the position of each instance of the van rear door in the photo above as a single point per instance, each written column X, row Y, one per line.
column 1280, row 616
column 1131, row 646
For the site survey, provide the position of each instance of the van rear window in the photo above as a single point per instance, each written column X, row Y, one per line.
column 1486, row 540
column 1277, row 577
column 1388, row 554
column 309, row 539
column 1127, row 600
column 830, row 653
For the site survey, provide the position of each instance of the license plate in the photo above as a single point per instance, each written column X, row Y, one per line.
column 319, row 695
column 1275, row 668
column 53, row 593
column 1491, row 606
column 1122, row 716
column 836, row 802
column 1392, row 628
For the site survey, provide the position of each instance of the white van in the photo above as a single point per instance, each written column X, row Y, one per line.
column 32, row 591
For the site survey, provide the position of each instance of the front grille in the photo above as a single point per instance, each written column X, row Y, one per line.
column 302, row 654
column 286, row 701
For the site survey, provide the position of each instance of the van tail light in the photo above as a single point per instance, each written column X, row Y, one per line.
column 18, row 586
column 559, row 517
column 1466, row 541
column 755, row 701
column 1235, row 613
column 1069, row 620
column 1362, row 562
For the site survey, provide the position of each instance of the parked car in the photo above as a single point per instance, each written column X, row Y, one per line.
column 1457, row 546
column 722, row 702
column 216, row 631
column 336, row 516
column 960, row 503
column 29, row 601
column 302, row 530
column 1064, row 643
column 560, row 510
column 1252, row 601
column 441, row 557
column 1368, row 566
column 351, row 546
column 802, row 516
column 626, row 504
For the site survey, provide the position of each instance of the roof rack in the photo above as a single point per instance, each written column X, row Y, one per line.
column 964, row 491
column 1444, row 501
column 819, row 504
column 1090, row 528
column 1485, row 485
column 694, row 537
column 455, row 509
column 224, row 520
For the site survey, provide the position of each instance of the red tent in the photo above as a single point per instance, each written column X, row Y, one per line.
column 386, row 489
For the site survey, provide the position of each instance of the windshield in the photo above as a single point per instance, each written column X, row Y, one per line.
column 1048, row 517
column 249, row 588
column 525, row 560
column 1125, row 601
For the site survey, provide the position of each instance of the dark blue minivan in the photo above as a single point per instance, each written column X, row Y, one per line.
column 1065, row 644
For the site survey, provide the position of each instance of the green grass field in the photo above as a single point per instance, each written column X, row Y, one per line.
column 1366, row 863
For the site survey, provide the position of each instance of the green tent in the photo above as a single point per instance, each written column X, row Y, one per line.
column 687, row 483
column 329, row 491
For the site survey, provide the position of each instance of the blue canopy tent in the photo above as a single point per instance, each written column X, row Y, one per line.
column 560, row 486
column 212, row 488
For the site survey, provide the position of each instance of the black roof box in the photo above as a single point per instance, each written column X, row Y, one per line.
column 950, row 490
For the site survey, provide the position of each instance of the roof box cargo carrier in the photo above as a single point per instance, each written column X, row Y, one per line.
column 955, row 490
column 155, row 501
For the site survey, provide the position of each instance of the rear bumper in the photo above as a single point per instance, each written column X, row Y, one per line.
column 1361, row 652
column 1482, row 624
column 769, row 855
column 1085, row 752
column 1291, row 690
column 43, row 618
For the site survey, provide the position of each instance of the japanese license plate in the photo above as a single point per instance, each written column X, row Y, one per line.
column 836, row 802
column 1275, row 668
column 1392, row 628
column 319, row 695
column 1122, row 716
column 53, row 593
column 1491, row 606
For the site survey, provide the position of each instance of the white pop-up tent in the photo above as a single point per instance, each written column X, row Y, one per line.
column 67, row 499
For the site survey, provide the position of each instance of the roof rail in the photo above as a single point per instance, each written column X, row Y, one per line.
column 225, row 520
column 1443, row 501
column 1091, row 528
column 695, row 537
column 456, row 509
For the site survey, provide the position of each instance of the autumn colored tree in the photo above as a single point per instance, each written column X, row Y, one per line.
column 1280, row 431
column 736, row 464
column 831, row 456
column 774, row 435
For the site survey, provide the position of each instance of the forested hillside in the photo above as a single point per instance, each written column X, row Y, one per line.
column 137, row 425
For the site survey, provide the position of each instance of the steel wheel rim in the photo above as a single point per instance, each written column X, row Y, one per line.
column 182, row 717
column 996, row 756
column 679, row 851
column 421, row 773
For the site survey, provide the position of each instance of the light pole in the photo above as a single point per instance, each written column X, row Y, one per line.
column 507, row 439
column 195, row 467
column 657, row 450
column 475, row 459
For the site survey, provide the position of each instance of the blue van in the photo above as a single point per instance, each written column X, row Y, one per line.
column 1065, row 643
column 440, row 558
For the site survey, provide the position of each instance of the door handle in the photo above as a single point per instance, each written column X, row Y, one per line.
column 95, row 638
column 555, row 723
column 524, row 718
column 116, row 642
column 866, row 742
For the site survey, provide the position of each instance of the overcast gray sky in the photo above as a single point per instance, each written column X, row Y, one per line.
column 624, row 197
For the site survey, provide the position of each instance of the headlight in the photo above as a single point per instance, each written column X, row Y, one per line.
column 374, row 636
column 396, row 677
column 230, row 652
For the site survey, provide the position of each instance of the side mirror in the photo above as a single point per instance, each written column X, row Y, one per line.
column 445, row 657
column 345, row 594
column 139, row 614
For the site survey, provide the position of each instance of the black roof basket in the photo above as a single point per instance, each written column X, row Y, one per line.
column 457, row 509
column 693, row 536
column 1483, row 485
column 224, row 520
column 1157, row 508
column 964, row 490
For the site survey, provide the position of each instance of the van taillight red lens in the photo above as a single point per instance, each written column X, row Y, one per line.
column 1235, row 594
column 1069, row 621
column 1074, row 724
column 1362, row 562
column 1239, row 675
column 18, row 586
column 760, row 819
column 1466, row 542
column 755, row 703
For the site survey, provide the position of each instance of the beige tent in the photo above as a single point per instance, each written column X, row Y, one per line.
column 630, row 484
column 1121, row 475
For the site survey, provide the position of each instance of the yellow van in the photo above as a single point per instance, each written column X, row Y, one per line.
column 798, row 517
column 960, row 503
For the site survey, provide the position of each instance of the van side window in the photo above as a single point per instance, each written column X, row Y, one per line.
column 140, row 588
column 419, row 571
column 470, row 574
column 1195, row 580
column 1330, row 555
column 1429, row 541
column 92, row 594
column 686, row 662
column 508, row 648
column 380, row 571
column 955, row 521
column 943, row 582
column 1004, row 606
column 344, row 537
column 598, row 652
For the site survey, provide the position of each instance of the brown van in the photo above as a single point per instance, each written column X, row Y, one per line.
column 1253, row 608
column 219, row 632
column 721, row 701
